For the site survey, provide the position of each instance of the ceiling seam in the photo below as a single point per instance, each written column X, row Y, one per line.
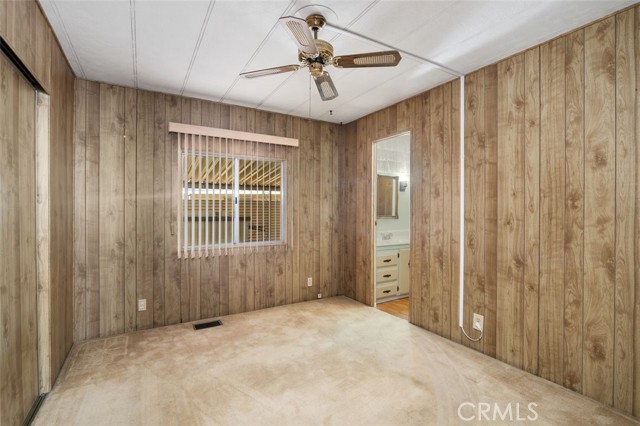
column 196, row 50
column 357, row 18
column 66, row 35
column 134, row 41
column 255, row 53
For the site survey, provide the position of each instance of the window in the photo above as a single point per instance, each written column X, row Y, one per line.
column 231, row 201
column 233, row 190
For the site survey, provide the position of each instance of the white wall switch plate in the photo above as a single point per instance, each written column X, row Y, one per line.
column 319, row 295
column 142, row 305
column 309, row 282
column 478, row 322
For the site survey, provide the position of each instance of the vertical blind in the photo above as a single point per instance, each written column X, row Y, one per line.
column 233, row 191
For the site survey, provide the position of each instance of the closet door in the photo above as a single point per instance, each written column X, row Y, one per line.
column 18, row 316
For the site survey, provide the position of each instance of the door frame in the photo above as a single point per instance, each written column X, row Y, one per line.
column 43, row 246
column 374, row 210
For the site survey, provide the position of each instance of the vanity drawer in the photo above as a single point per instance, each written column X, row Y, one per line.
column 387, row 259
column 386, row 274
column 387, row 290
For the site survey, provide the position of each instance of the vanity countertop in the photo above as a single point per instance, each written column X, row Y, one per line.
column 393, row 239
column 390, row 245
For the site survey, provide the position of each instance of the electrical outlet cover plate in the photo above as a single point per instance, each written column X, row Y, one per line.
column 478, row 322
column 142, row 305
column 319, row 295
column 309, row 282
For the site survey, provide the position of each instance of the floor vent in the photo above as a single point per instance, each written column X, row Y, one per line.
column 209, row 324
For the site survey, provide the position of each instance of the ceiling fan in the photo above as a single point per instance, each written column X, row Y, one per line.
column 315, row 54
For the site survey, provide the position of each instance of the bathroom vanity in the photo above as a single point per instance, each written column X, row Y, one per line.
column 392, row 272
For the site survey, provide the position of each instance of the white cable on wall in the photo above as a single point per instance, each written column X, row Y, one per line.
column 461, row 218
column 461, row 243
column 461, row 76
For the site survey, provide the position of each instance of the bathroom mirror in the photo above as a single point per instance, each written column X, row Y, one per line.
column 387, row 190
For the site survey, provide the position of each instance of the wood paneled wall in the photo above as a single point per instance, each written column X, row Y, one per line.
column 24, row 27
column 552, row 209
column 432, row 118
column 18, row 332
column 61, row 208
column 126, row 193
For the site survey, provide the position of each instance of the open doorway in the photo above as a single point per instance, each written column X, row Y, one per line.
column 392, row 159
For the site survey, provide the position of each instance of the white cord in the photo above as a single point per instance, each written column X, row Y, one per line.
column 471, row 338
column 461, row 270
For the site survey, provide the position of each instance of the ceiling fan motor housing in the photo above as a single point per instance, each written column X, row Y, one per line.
column 315, row 22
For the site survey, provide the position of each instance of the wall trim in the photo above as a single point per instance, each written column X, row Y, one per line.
column 191, row 129
column 43, row 242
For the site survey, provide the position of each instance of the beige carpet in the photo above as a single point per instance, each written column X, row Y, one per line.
column 326, row 362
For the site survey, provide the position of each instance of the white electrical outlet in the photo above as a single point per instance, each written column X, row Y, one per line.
column 142, row 305
column 478, row 322
column 319, row 295
column 309, row 282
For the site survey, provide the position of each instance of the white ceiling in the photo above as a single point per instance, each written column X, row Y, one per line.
column 198, row 47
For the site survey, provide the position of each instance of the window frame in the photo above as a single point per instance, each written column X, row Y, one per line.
column 235, row 242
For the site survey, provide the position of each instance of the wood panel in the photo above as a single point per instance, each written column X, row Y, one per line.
column 145, row 208
column 131, row 195
column 636, row 311
column 448, row 219
column 173, row 112
column 111, row 211
column 551, row 209
column 474, row 194
column 552, row 200
column 32, row 42
column 92, row 211
column 531, row 210
column 416, row 253
column 24, row 27
column 436, row 201
column 18, row 334
column 424, row 236
column 625, row 182
column 510, row 238
column 490, row 207
column 79, row 211
column 600, row 203
column 61, row 116
column 574, row 211
column 130, row 187
column 27, row 242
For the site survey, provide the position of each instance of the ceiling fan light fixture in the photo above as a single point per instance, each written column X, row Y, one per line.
column 325, row 86
column 316, row 69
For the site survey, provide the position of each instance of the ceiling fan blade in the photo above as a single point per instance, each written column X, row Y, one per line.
column 389, row 58
column 299, row 31
column 270, row 71
column 325, row 87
